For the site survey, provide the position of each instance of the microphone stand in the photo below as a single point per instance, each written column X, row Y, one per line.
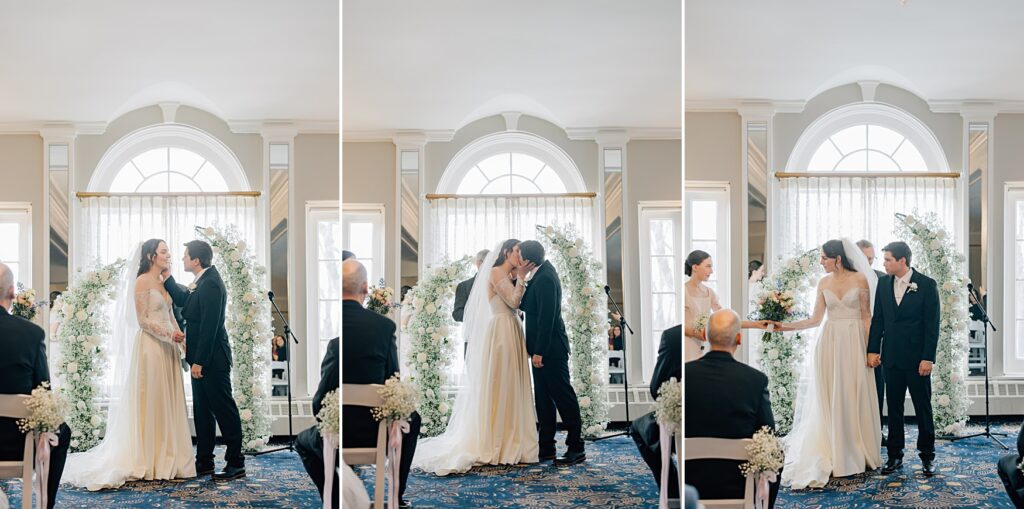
column 290, row 446
column 987, row 323
column 625, row 365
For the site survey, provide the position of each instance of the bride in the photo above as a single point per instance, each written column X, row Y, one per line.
column 147, row 435
column 836, row 430
column 493, row 421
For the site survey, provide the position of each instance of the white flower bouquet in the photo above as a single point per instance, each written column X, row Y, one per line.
column 400, row 400
column 328, row 419
column 766, row 454
column 701, row 324
column 46, row 411
column 24, row 304
column 669, row 407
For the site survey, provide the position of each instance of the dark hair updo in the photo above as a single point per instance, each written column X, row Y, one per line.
column 696, row 257
column 834, row 249
column 148, row 255
column 506, row 248
column 752, row 266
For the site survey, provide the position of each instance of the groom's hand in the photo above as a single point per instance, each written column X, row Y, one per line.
column 874, row 360
column 197, row 371
column 925, row 368
column 525, row 269
column 537, row 361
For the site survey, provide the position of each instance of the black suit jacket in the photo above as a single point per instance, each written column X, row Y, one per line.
column 906, row 334
column 542, row 302
column 22, row 368
column 670, row 359
column 724, row 398
column 461, row 297
column 369, row 355
column 328, row 375
column 206, row 339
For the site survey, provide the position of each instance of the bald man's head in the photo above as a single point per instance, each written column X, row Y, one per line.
column 353, row 280
column 6, row 283
column 724, row 329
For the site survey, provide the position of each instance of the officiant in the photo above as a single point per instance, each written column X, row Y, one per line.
column 462, row 296
column 869, row 252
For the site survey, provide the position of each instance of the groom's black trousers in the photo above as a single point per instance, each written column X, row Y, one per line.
column 897, row 382
column 880, row 387
column 552, row 390
column 212, row 405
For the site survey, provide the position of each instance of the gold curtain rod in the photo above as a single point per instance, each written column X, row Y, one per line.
column 930, row 174
column 431, row 197
column 86, row 194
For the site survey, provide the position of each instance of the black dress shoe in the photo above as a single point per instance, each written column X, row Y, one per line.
column 885, row 441
column 404, row 504
column 570, row 458
column 892, row 465
column 546, row 456
column 928, row 467
column 200, row 471
column 229, row 474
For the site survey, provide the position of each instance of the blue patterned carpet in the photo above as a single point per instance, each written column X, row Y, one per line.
column 966, row 478
column 614, row 475
column 273, row 480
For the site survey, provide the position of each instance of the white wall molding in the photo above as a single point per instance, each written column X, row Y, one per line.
column 170, row 110
column 631, row 133
column 867, row 90
column 301, row 126
column 511, row 120
column 730, row 105
column 279, row 132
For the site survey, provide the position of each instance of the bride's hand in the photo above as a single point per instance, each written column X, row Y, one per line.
column 525, row 269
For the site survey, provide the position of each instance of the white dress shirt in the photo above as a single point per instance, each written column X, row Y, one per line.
column 900, row 286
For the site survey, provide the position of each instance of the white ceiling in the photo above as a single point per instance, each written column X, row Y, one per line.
column 793, row 50
column 411, row 64
column 70, row 60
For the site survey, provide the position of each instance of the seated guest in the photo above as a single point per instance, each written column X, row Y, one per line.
column 23, row 367
column 1011, row 476
column 369, row 356
column 345, row 255
column 724, row 399
column 309, row 444
column 644, row 430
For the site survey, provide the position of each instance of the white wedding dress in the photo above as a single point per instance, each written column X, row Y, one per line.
column 837, row 430
column 494, row 420
column 147, row 434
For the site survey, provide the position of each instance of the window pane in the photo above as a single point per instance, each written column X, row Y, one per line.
column 154, row 184
column 152, row 161
column 663, row 276
column 410, row 160
column 472, row 183
column 549, row 181
column 501, row 185
column 372, row 277
column 527, row 166
column 279, row 155
column 210, row 180
column 1019, row 300
column 704, row 219
column 878, row 161
column 360, row 240
column 330, row 318
column 10, row 239
column 1020, row 219
column 58, row 156
column 126, row 180
column 329, row 279
column 178, row 183
column 496, row 166
column 661, row 236
column 857, row 161
column 1019, row 261
column 883, row 139
column 711, row 248
column 664, row 311
column 909, row 158
column 825, row 158
column 522, row 186
column 613, row 158
column 851, row 138
column 328, row 238
column 185, row 161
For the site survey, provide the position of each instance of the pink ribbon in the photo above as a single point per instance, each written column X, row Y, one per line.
column 330, row 448
column 394, row 458
column 761, row 489
column 43, row 443
column 665, row 442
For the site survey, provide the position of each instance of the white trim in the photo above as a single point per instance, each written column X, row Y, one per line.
column 315, row 211
column 522, row 142
column 301, row 126
column 730, row 105
column 173, row 135
column 1013, row 192
column 21, row 213
column 867, row 113
column 646, row 211
column 722, row 193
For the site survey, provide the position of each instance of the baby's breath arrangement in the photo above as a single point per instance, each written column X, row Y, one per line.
column 702, row 322
column 669, row 408
column 329, row 414
column 766, row 455
column 46, row 411
column 400, row 400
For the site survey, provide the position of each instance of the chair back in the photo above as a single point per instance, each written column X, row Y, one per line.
column 366, row 395
column 13, row 406
column 726, row 449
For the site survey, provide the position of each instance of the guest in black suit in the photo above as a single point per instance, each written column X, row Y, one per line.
column 1011, row 476
column 462, row 296
column 23, row 367
column 724, row 399
column 869, row 252
column 369, row 356
column 309, row 444
column 905, row 332
column 548, row 347
column 645, row 430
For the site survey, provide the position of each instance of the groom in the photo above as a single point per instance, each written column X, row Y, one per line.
column 207, row 350
column 548, row 347
column 905, row 331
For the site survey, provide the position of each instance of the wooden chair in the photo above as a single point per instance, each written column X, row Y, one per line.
column 366, row 395
column 726, row 449
column 12, row 405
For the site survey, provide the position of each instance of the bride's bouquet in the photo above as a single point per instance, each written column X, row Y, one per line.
column 701, row 324
column 24, row 304
column 400, row 400
column 776, row 305
column 46, row 411
column 380, row 299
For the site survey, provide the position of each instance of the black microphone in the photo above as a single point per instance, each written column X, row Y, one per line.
column 271, row 295
column 607, row 289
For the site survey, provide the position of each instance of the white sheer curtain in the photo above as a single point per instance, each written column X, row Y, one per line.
column 110, row 226
column 462, row 226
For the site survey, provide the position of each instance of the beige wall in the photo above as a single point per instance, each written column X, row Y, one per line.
column 369, row 177
column 21, row 163
column 1008, row 166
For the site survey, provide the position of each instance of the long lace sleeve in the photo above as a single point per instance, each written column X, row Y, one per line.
column 865, row 308
column 816, row 317
column 511, row 294
column 161, row 331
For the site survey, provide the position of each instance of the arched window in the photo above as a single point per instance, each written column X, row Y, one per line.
column 511, row 173
column 511, row 163
column 168, row 170
column 867, row 148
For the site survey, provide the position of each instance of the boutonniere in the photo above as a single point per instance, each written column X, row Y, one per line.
column 191, row 287
column 912, row 287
